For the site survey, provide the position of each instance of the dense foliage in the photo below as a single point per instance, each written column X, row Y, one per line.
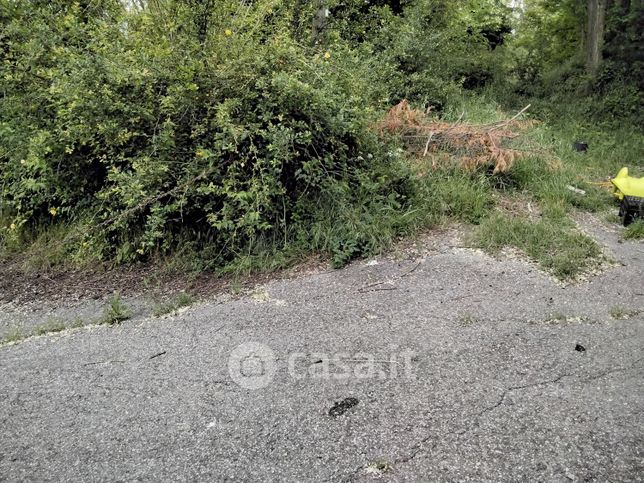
column 547, row 58
column 229, row 126
column 209, row 121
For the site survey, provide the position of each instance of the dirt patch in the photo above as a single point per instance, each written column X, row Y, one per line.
column 20, row 285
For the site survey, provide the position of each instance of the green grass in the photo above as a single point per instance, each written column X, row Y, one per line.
column 56, row 324
column 467, row 319
column 44, row 247
column 51, row 327
column 554, row 244
column 235, row 287
column 546, row 175
column 180, row 301
column 635, row 231
column 115, row 312
column 541, row 177
column 456, row 195
column 621, row 313
column 16, row 335
column 559, row 318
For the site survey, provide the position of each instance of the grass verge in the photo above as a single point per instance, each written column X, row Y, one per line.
column 180, row 301
column 621, row 313
column 635, row 231
column 115, row 312
column 554, row 245
column 52, row 326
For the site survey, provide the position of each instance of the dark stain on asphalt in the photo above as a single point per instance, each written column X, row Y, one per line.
column 580, row 348
column 341, row 407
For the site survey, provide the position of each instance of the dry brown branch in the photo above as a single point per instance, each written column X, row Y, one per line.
column 472, row 145
column 429, row 140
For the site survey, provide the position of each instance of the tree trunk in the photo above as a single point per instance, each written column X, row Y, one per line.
column 595, row 34
column 320, row 22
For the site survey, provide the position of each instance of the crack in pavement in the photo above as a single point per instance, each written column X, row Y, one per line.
column 519, row 388
column 614, row 371
column 418, row 447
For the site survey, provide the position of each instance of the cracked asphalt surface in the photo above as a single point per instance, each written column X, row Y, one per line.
column 513, row 376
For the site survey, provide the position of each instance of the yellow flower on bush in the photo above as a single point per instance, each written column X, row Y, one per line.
column 327, row 55
column 12, row 227
column 23, row 161
column 228, row 32
column 53, row 211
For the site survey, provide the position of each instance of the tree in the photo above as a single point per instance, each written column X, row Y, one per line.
column 595, row 34
column 320, row 22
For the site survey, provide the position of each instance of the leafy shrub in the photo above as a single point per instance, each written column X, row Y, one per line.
column 115, row 311
column 149, row 128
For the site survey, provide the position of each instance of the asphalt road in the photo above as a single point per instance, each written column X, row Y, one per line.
column 444, row 365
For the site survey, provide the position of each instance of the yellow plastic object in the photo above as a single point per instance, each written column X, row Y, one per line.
column 626, row 185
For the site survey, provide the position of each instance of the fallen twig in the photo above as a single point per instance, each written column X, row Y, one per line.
column 411, row 270
column 381, row 289
column 368, row 288
column 429, row 140
column 510, row 121
column 382, row 282
column 378, row 361
column 103, row 362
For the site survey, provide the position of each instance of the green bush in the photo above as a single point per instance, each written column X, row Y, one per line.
column 147, row 129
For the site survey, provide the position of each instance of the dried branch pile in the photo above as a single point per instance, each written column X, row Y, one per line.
column 470, row 145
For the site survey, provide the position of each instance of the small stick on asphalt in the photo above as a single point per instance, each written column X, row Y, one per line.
column 379, row 361
column 372, row 285
column 158, row 355
column 103, row 362
column 375, row 284
column 381, row 289
column 411, row 270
